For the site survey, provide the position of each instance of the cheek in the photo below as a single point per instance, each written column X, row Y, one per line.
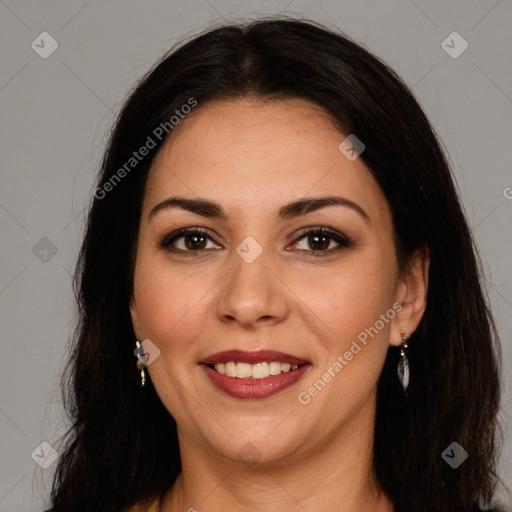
column 170, row 302
column 350, row 298
column 171, row 306
column 174, row 308
column 355, row 304
column 348, row 368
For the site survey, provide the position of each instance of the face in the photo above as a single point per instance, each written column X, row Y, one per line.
column 318, row 282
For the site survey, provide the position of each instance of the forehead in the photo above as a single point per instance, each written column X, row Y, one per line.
column 249, row 153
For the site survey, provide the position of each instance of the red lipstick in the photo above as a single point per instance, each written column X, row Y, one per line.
column 252, row 388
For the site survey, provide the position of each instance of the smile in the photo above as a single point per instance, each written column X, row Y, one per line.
column 251, row 375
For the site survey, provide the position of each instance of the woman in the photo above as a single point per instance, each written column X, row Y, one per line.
column 276, row 236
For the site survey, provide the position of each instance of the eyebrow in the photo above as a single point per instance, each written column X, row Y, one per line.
column 214, row 210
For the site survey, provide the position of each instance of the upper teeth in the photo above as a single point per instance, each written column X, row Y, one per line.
column 256, row 371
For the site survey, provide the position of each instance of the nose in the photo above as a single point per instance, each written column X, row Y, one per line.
column 252, row 294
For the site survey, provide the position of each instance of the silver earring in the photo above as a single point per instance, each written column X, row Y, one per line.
column 403, row 364
column 139, row 354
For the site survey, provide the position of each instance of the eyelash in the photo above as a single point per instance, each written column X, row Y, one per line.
column 343, row 240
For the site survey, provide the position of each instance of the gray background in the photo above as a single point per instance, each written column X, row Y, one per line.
column 56, row 113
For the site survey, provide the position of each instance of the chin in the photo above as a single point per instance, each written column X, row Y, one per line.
column 259, row 446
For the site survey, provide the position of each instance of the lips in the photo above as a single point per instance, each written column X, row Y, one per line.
column 249, row 387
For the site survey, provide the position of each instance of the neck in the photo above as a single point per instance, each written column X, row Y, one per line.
column 335, row 476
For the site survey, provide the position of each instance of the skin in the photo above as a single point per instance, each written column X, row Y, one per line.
column 253, row 157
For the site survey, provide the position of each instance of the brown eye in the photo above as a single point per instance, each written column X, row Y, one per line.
column 187, row 240
column 195, row 241
column 318, row 241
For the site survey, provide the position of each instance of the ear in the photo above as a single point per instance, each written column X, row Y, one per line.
column 411, row 294
column 135, row 318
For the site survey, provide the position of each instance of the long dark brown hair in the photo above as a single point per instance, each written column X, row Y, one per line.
column 122, row 446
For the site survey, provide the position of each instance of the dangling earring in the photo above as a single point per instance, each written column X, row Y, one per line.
column 403, row 364
column 139, row 354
